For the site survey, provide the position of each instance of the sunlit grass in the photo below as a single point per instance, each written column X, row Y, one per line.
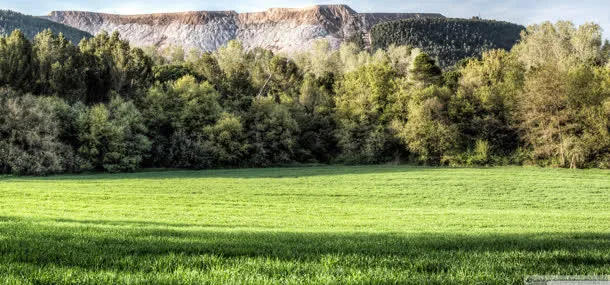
column 373, row 224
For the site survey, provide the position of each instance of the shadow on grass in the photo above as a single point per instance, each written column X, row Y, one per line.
column 102, row 245
column 307, row 171
column 247, row 173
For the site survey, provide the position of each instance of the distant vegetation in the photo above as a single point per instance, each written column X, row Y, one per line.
column 105, row 106
column 30, row 26
column 448, row 40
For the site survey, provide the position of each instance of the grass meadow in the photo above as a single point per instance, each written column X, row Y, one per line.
column 327, row 224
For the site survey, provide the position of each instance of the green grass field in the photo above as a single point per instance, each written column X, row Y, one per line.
column 335, row 224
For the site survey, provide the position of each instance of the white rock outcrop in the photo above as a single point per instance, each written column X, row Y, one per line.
column 279, row 29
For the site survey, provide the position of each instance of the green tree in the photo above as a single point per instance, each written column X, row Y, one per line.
column 175, row 54
column 280, row 78
column 199, row 104
column 114, row 67
column 112, row 137
column 362, row 101
column 207, row 67
column 425, row 71
column 485, row 106
column 226, row 141
column 29, row 136
column 314, row 112
column 167, row 73
column 59, row 67
column 272, row 133
column 235, row 84
column 177, row 114
column 357, row 39
column 561, row 106
column 350, row 57
column 320, row 59
column 428, row 132
column 16, row 64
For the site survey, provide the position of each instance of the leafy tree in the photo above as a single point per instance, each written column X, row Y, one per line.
column 59, row 67
column 226, row 141
column 114, row 67
column 176, row 54
column 361, row 103
column 177, row 115
column 319, row 59
column 402, row 58
column 16, row 64
column 561, row 107
column 155, row 55
column 29, row 136
column 562, row 45
column 112, row 137
column 605, row 57
column 428, row 133
column 425, row 71
column 236, row 85
column 547, row 101
column 314, row 112
column 168, row 73
column 283, row 79
column 351, row 57
column 357, row 39
column 272, row 133
column 199, row 104
column 485, row 106
column 207, row 67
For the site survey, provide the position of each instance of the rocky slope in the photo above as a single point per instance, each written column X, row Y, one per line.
column 280, row 29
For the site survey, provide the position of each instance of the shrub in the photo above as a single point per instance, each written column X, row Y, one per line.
column 29, row 136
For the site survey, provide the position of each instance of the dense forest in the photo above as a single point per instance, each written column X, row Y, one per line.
column 31, row 26
column 447, row 40
column 102, row 105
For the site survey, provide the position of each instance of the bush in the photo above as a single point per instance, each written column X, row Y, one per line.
column 29, row 136
column 226, row 141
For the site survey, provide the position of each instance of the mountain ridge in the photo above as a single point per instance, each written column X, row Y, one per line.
column 278, row 29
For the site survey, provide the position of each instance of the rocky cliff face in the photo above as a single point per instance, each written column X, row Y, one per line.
column 280, row 29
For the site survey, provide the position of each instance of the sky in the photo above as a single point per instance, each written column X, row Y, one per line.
column 523, row 12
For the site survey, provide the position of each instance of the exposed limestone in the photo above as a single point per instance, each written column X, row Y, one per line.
column 278, row 29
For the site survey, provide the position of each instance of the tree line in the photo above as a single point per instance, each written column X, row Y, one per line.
column 102, row 105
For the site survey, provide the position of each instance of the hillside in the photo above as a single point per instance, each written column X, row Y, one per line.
column 448, row 40
column 30, row 26
column 277, row 29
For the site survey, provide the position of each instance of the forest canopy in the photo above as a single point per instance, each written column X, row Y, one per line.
column 103, row 105
column 448, row 40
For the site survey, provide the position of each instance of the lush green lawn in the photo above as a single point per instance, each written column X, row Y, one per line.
column 374, row 224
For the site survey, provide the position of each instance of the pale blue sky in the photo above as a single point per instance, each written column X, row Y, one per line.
column 519, row 11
